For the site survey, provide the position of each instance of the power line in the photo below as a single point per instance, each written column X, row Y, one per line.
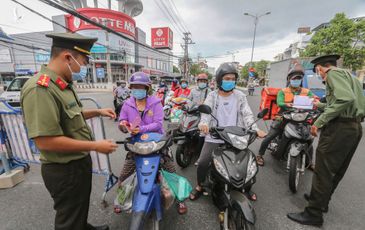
column 172, row 16
column 86, row 19
column 177, row 13
column 167, row 16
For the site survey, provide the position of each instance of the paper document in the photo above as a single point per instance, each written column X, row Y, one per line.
column 303, row 102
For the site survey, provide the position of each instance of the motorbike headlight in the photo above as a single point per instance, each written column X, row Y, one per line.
column 144, row 148
column 239, row 142
column 219, row 167
column 251, row 169
column 287, row 116
column 299, row 116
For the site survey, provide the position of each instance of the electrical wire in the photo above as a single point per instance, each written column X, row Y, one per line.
column 86, row 19
column 180, row 32
column 118, row 51
column 178, row 15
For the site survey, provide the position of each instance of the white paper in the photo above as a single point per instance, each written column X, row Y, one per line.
column 303, row 102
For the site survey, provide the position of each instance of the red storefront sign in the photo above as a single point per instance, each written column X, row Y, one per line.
column 162, row 38
column 113, row 19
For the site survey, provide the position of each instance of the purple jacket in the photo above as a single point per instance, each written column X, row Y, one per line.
column 152, row 120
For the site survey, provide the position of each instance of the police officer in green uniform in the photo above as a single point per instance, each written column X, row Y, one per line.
column 55, row 120
column 341, row 131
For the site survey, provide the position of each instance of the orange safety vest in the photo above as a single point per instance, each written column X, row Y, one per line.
column 289, row 96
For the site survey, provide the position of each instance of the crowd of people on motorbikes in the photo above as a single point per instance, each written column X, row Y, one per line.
column 225, row 127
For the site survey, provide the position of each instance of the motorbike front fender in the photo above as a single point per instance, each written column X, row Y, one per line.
column 181, row 142
column 296, row 148
column 146, row 202
column 239, row 200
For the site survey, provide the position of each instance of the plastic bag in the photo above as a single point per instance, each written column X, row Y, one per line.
column 167, row 195
column 178, row 184
column 125, row 192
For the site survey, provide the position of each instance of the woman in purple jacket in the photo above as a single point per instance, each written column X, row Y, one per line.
column 141, row 114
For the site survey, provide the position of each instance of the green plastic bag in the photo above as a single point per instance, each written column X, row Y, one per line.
column 178, row 184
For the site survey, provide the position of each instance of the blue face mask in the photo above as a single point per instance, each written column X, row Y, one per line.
column 139, row 94
column 80, row 75
column 228, row 85
column 295, row 83
column 202, row 85
column 184, row 85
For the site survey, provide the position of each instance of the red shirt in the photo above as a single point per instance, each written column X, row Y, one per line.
column 180, row 91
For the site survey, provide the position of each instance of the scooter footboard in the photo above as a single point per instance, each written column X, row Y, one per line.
column 246, row 207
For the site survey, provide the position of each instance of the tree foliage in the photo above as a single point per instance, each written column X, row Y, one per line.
column 175, row 69
column 343, row 36
column 259, row 66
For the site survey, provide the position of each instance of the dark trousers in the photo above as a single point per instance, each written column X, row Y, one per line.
column 336, row 147
column 206, row 156
column 276, row 129
column 70, row 186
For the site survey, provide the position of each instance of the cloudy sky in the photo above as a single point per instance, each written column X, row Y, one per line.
column 217, row 26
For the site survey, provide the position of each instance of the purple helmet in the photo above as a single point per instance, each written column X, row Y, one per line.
column 140, row 78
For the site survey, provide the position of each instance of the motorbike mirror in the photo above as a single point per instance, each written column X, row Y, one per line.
column 205, row 109
column 261, row 114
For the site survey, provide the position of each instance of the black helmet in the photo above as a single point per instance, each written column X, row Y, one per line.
column 295, row 72
column 223, row 69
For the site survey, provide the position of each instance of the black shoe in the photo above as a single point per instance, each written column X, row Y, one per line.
column 306, row 219
column 306, row 197
column 102, row 227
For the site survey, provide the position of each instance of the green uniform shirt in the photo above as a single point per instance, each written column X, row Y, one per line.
column 280, row 100
column 344, row 95
column 51, row 111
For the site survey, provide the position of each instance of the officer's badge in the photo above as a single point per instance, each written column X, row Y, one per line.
column 150, row 113
column 44, row 80
column 61, row 84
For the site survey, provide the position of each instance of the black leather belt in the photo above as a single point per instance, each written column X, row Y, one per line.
column 349, row 119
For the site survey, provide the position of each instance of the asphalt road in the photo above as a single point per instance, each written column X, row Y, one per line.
column 29, row 206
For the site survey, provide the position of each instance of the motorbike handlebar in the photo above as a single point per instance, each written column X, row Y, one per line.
column 121, row 142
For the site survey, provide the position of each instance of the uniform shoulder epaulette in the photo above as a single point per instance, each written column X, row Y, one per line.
column 61, row 84
column 44, row 80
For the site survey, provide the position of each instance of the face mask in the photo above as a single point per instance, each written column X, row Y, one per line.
column 202, row 85
column 184, row 85
column 80, row 75
column 295, row 83
column 139, row 94
column 228, row 85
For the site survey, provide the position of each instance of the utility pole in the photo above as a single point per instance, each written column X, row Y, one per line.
column 185, row 46
column 256, row 18
column 108, row 64
column 233, row 55
column 34, row 59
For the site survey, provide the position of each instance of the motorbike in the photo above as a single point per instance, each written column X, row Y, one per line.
column 168, row 106
column 119, row 104
column 148, row 149
column 295, row 145
column 232, row 172
column 251, row 91
column 161, row 93
column 189, row 140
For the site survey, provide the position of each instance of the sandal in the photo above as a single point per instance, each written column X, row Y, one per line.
column 182, row 208
column 195, row 194
column 260, row 160
column 251, row 195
